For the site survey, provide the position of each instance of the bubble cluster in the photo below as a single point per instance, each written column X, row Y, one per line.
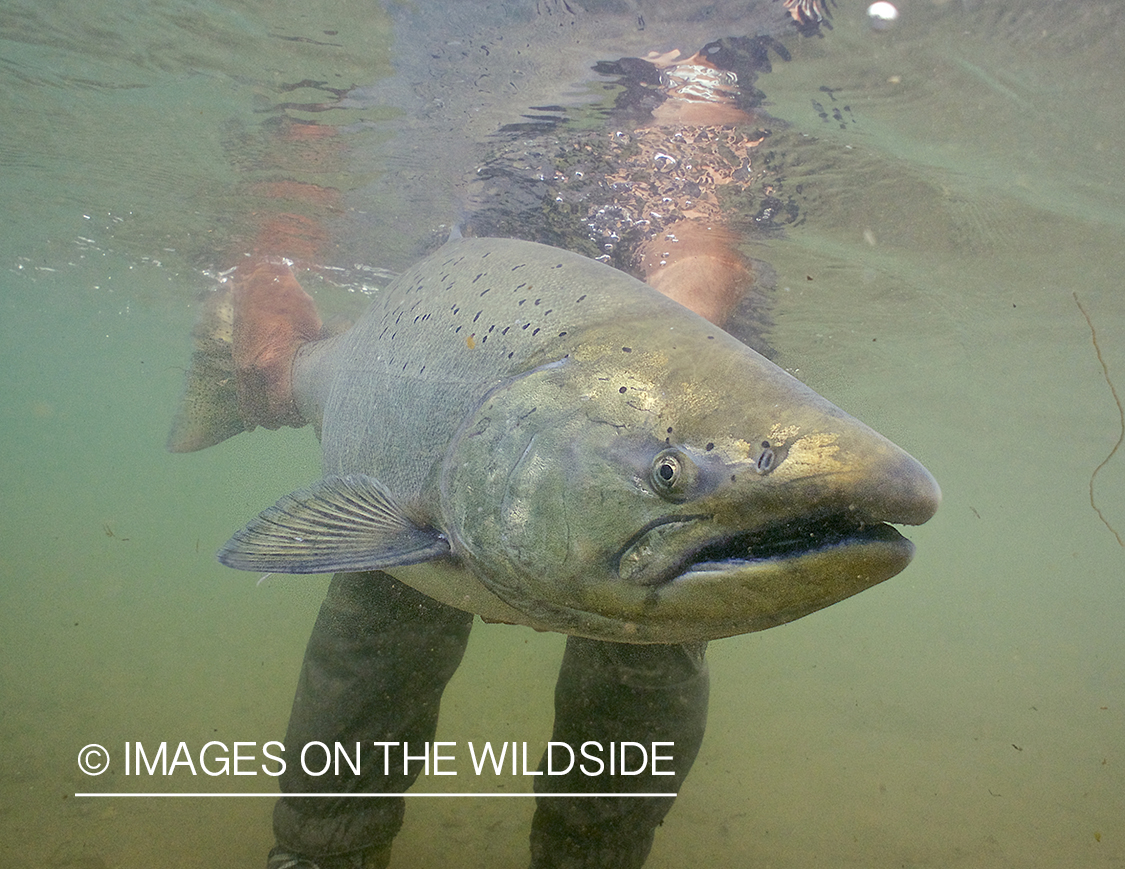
column 605, row 194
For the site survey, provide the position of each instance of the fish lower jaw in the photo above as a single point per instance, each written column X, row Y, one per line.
column 747, row 583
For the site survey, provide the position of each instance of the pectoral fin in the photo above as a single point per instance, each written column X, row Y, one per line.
column 340, row 523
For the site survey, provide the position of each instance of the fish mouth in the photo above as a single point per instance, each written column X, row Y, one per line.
column 789, row 542
column 680, row 583
column 792, row 540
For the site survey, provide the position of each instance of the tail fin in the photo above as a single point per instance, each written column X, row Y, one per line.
column 241, row 367
column 208, row 411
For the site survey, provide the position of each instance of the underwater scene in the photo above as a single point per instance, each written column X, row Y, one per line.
column 922, row 216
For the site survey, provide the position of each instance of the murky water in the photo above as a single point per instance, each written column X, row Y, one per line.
column 968, row 713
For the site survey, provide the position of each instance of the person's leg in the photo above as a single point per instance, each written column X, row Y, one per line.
column 377, row 662
column 611, row 692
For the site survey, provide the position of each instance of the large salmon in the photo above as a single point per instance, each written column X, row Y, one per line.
column 533, row 436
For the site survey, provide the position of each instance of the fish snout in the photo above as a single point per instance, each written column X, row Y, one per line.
column 880, row 482
column 908, row 493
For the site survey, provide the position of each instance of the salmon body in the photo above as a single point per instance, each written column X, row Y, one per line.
column 535, row 437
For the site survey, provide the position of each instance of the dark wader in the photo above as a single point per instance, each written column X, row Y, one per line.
column 377, row 662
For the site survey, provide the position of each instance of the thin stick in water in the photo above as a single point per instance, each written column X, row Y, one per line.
column 1120, row 414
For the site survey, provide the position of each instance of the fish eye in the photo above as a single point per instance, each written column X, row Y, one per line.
column 668, row 469
column 673, row 474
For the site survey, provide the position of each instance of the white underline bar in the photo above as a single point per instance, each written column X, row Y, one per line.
column 369, row 795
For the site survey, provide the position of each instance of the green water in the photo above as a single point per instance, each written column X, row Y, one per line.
column 968, row 713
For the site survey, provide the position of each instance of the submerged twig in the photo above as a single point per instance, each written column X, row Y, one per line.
column 1120, row 414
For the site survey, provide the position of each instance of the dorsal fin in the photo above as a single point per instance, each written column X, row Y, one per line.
column 340, row 523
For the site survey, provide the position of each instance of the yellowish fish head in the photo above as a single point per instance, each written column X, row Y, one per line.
column 667, row 484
